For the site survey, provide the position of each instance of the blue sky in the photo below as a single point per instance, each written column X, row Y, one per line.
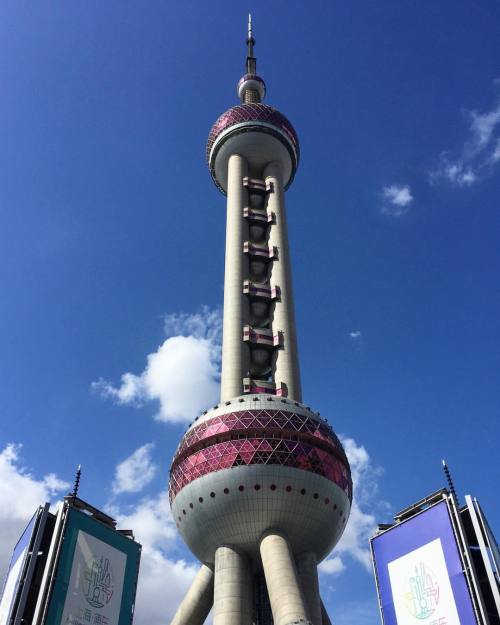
column 112, row 249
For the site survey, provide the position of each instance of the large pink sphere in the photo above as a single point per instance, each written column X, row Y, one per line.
column 257, row 463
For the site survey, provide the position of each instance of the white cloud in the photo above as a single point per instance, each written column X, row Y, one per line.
column 132, row 475
column 480, row 153
column 495, row 156
column 205, row 324
column 20, row 496
column 355, row 334
column 151, row 521
column 162, row 585
column 483, row 126
column 163, row 580
column 182, row 374
column 396, row 200
column 362, row 522
column 332, row 565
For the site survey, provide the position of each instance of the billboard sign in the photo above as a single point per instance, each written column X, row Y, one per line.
column 96, row 575
column 14, row 573
column 419, row 571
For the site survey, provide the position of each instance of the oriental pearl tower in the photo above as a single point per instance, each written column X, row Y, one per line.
column 260, row 486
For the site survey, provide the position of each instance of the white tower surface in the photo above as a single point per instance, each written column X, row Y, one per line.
column 260, row 486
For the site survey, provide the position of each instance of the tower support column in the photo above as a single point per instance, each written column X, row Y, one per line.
column 198, row 601
column 234, row 352
column 285, row 595
column 233, row 589
column 324, row 615
column 286, row 368
column 307, row 568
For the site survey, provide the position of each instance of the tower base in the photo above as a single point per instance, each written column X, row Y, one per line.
column 279, row 590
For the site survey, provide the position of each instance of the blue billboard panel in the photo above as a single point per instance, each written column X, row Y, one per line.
column 14, row 573
column 420, row 578
column 96, row 575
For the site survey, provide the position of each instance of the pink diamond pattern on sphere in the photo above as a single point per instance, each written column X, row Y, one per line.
column 260, row 437
column 256, row 111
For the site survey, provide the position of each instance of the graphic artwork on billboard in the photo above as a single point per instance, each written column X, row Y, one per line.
column 96, row 583
column 421, row 587
column 419, row 571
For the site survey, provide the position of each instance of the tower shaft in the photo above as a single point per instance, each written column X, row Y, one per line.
column 286, row 367
column 259, row 347
column 234, row 353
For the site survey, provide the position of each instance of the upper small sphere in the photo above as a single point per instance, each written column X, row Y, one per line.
column 258, row 132
column 251, row 81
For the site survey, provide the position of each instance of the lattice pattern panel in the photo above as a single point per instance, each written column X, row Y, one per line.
column 260, row 437
column 249, row 451
column 256, row 111
column 268, row 420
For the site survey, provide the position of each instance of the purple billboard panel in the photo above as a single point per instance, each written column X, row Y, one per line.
column 14, row 573
column 420, row 578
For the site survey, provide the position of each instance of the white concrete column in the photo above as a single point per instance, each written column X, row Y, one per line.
column 307, row 568
column 198, row 601
column 234, row 351
column 324, row 615
column 233, row 590
column 286, row 368
column 285, row 595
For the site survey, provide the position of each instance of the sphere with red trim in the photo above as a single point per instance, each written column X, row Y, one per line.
column 259, row 463
column 258, row 132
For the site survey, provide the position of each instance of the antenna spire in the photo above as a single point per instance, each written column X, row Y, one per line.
column 251, row 60
column 451, row 486
column 251, row 88
column 76, row 486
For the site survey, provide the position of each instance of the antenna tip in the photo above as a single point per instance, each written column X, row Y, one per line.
column 444, row 462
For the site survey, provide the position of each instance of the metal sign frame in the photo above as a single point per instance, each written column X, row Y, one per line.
column 44, row 513
column 29, row 541
column 48, row 573
column 487, row 546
